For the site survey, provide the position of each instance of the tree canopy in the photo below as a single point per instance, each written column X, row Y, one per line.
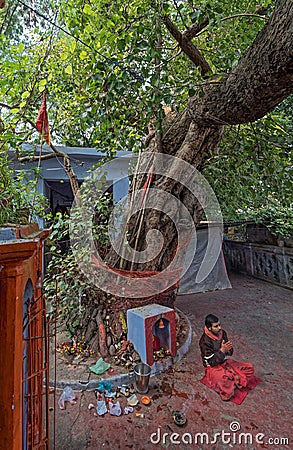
column 108, row 67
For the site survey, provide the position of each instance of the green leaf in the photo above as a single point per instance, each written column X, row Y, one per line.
column 83, row 55
column 25, row 94
column 42, row 85
column 196, row 15
column 87, row 9
column 73, row 46
column 68, row 69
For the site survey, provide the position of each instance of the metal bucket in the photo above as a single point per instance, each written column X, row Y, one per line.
column 142, row 374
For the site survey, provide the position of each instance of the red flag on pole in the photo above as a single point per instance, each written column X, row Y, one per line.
column 42, row 122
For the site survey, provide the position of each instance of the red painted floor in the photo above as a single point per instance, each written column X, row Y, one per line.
column 258, row 319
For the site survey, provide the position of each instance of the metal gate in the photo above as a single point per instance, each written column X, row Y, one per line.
column 35, row 379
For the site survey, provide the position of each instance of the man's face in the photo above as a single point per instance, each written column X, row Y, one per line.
column 216, row 328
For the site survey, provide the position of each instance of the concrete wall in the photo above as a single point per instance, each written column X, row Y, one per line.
column 268, row 262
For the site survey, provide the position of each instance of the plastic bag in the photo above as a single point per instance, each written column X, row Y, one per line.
column 101, row 407
column 100, row 367
column 115, row 409
column 128, row 409
column 132, row 400
column 67, row 396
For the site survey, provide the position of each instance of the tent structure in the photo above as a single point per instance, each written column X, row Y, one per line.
column 217, row 278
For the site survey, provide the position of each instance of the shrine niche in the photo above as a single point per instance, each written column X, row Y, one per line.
column 152, row 327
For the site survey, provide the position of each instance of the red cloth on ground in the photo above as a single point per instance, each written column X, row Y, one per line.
column 232, row 379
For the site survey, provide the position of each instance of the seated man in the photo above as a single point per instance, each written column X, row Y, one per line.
column 222, row 374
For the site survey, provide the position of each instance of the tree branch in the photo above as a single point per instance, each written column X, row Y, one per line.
column 260, row 81
column 184, row 41
column 36, row 158
column 244, row 15
column 195, row 29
